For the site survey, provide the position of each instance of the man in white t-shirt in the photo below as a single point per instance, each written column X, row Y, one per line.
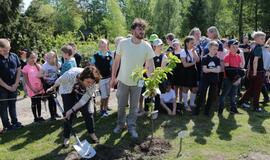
column 131, row 53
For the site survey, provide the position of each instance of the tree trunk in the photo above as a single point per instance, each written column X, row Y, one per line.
column 240, row 21
column 256, row 15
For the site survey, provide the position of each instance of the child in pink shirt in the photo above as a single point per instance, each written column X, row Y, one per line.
column 34, row 87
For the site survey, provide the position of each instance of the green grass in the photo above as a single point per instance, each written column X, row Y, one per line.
column 229, row 137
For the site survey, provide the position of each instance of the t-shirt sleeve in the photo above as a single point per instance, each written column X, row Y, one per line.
column 173, row 94
column 183, row 54
column 150, row 53
column 226, row 59
column 204, row 61
column 25, row 70
column 17, row 61
column 93, row 59
column 119, row 48
column 258, row 52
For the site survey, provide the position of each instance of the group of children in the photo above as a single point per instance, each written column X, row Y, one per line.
column 209, row 64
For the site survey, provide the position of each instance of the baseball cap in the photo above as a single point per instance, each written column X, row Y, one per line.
column 175, row 41
column 153, row 37
column 232, row 42
column 157, row 42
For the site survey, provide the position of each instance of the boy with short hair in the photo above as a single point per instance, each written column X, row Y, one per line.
column 256, row 73
column 210, row 77
column 232, row 79
column 69, row 61
column 103, row 61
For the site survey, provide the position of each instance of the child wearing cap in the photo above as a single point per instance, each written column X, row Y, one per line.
column 256, row 72
column 232, row 79
column 209, row 80
column 103, row 61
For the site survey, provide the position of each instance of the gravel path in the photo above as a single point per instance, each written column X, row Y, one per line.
column 25, row 115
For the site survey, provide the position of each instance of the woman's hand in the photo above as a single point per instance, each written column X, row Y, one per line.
column 68, row 114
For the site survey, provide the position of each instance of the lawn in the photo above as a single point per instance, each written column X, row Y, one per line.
column 209, row 138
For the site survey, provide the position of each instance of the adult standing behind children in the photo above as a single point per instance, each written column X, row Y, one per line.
column 133, row 52
column 103, row 61
column 256, row 73
column 10, row 72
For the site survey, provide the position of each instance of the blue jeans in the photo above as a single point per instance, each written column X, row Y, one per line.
column 6, row 106
column 228, row 89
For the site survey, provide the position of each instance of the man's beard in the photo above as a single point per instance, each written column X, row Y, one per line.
column 139, row 36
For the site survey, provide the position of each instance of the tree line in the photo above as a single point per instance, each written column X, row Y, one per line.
column 89, row 19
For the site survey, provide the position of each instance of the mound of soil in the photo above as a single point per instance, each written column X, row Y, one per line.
column 153, row 148
column 147, row 148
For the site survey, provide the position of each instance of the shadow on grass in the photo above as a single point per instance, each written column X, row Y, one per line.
column 54, row 154
column 256, row 120
column 31, row 135
column 225, row 126
column 202, row 128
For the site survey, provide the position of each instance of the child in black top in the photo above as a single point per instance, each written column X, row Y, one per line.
column 210, row 77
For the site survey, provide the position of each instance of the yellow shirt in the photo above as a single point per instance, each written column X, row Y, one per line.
column 132, row 56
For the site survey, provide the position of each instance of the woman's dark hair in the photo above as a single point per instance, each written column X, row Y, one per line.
column 138, row 22
column 186, row 41
column 170, row 36
column 68, row 49
column 90, row 72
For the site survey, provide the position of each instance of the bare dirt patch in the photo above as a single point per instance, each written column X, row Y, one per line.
column 147, row 149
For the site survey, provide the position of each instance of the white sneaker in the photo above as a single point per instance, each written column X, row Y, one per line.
column 245, row 105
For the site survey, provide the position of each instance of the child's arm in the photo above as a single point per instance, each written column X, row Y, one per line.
column 162, row 103
column 186, row 64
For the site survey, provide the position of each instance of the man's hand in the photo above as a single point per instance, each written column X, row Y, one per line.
column 113, row 82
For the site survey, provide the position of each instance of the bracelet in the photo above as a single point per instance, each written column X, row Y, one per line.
column 73, row 111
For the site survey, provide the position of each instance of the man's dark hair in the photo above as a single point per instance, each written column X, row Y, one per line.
column 138, row 22
column 170, row 36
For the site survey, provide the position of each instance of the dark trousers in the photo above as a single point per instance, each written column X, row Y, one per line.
column 51, row 102
column 8, row 106
column 69, row 100
column 254, row 89
column 36, row 105
column 212, row 95
column 228, row 89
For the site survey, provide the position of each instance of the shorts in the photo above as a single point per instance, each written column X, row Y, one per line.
column 104, row 87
